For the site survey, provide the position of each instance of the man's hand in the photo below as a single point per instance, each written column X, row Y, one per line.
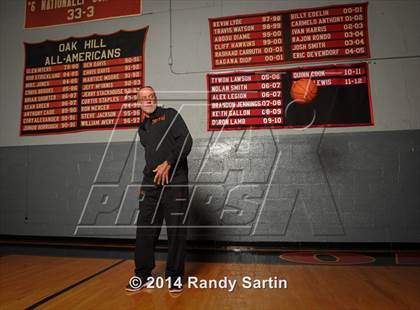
column 162, row 173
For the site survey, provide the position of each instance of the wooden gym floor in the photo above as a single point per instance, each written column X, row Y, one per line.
column 56, row 282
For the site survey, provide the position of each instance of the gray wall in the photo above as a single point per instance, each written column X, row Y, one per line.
column 332, row 187
column 334, row 184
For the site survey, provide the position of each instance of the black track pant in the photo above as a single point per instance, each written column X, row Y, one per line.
column 156, row 203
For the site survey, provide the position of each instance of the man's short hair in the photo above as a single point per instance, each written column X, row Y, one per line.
column 147, row 86
column 144, row 87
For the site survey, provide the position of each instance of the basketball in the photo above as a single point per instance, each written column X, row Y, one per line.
column 304, row 91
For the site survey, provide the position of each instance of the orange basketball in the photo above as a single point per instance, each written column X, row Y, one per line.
column 304, row 91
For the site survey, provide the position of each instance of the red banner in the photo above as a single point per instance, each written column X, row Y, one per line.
column 279, row 37
column 84, row 83
column 243, row 100
column 43, row 13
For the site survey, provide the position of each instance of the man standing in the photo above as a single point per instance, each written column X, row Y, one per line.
column 164, row 191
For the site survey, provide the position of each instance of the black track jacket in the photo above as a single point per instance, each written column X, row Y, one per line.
column 165, row 136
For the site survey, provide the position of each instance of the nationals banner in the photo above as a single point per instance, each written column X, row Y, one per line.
column 83, row 83
column 321, row 96
column 279, row 37
column 43, row 13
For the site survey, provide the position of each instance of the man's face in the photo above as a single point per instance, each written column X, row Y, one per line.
column 147, row 100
